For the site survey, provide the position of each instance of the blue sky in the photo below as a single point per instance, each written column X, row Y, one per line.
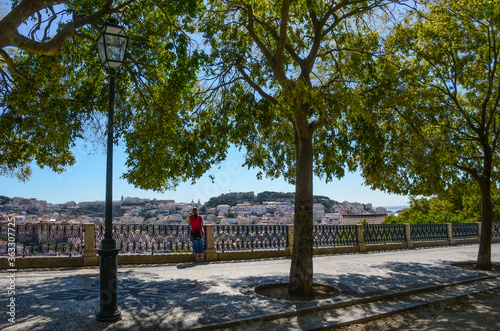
column 85, row 181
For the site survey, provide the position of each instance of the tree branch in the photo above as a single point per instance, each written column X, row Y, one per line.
column 470, row 171
column 9, row 36
column 285, row 11
column 274, row 61
column 12, row 67
column 276, row 37
column 255, row 86
column 10, row 23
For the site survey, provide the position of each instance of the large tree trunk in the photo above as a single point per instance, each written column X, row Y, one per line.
column 484, row 255
column 301, row 270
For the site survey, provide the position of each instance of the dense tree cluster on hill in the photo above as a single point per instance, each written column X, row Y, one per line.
column 232, row 199
column 4, row 199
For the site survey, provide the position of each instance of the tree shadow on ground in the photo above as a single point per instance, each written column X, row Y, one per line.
column 472, row 265
column 148, row 300
column 399, row 276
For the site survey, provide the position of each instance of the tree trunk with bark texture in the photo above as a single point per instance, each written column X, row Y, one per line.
column 484, row 255
column 301, row 270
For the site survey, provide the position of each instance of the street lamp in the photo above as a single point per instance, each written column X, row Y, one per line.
column 111, row 44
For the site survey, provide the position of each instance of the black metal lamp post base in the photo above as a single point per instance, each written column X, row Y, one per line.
column 111, row 317
column 108, row 285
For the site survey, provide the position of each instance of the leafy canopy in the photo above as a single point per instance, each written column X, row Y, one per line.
column 436, row 121
column 268, row 64
column 53, row 89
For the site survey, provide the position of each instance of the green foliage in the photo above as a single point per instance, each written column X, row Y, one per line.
column 4, row 199
column 196, row 79
column 326, row 202
column 433, row 122
column 441, row 217
column 433, row 102
column 472, row 205
column 49, row 102
column 224, row 199
column 147, row 215
column 442, row 210
column 276, row 78
column 254, row 101
column 125, row 204
column 232, row 200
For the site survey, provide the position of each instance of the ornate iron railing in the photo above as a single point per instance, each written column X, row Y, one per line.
column 33, row 239
column 384, row 233
column 496, row 230
column 464, row 230
column 148, row 238
column 429, row 232
column 250, row 237
column 334, row 235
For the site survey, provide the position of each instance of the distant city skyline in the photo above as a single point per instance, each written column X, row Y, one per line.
column 85, row 181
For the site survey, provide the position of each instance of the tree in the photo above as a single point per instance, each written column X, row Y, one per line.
column 4, row 199
column 277, row 83
column 53, row 90
column 423, row 210
column 436, row 121
column 41, row 117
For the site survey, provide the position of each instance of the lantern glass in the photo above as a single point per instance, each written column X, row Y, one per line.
column 111, row 45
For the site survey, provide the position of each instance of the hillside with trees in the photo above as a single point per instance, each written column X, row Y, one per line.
column 232, row 199
column 4, row 199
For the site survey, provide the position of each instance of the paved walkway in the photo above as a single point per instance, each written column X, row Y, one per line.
column 187, row 296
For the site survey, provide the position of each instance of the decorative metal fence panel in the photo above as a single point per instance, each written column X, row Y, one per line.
column 33, row 239
column 148, row 238
column 429, row 232
column 229, row 238
column 496, row 230
column 464, row 230
column 334, row 235
column 384, row 233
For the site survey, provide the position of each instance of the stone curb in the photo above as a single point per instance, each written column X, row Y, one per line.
column 399, row 311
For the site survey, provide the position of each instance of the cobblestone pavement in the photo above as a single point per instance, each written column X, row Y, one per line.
column 189, row 295
column 472, row 312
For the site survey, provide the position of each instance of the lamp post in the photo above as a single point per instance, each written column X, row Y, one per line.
column 111, row 44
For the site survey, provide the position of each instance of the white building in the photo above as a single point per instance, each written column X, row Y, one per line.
column 318, row 210
column 229, row 221
column 222, row 210
column 242, row 208
column 258, row 209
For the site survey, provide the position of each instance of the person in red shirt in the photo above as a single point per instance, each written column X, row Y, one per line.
column 197, row 235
